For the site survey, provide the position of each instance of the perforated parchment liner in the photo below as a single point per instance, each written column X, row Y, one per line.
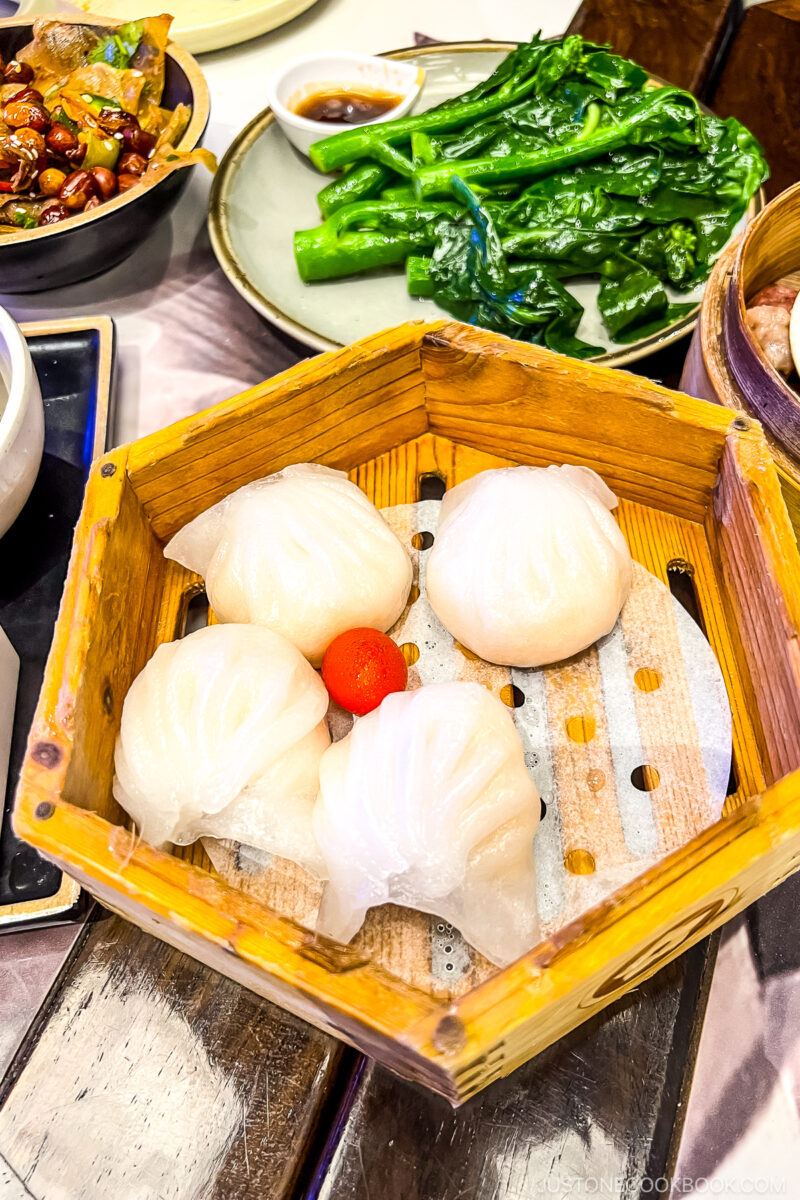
column 629, row 743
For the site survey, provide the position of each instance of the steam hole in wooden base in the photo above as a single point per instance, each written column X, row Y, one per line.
column 581, row 728
column 645, row 778
column 580, row 862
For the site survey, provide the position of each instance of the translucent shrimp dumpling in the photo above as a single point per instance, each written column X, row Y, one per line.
column 302, row 552
column 428, row 803
column 529, row 566
column 222, row 734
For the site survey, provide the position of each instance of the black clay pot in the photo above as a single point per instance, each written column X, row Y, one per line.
column 85, row 245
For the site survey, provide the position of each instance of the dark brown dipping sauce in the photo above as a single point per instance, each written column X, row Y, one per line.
column 349, row 106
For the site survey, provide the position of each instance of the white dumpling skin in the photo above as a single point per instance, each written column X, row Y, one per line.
column 427, row 803
column 303, row 552
column 529, row 567
column 222, row 734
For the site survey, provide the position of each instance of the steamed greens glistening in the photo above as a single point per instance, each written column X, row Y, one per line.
column 567, row 161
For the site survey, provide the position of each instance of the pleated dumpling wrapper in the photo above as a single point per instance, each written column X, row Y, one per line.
column 222, row 735
column 427, row 803
column 529, row 566
column 303, row 552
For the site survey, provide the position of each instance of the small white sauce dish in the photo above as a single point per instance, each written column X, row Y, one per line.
column 302, row 77
column 21, row 422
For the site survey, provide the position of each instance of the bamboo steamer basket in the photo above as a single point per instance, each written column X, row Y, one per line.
column 725, row 364
column 696, row 486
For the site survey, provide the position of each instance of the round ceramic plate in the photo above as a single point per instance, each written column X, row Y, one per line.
column 265, row 190
column 199, row 25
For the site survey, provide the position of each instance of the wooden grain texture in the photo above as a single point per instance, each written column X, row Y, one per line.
column 661, row 451
column 769, row 248
column 753, row 550
column 334, row 987
column 339, row 409
column 154, row 1076
column 768, row 252
column 11, row 1186
column 113, row 589
column 649, row 444
column 705, row 372
column 598, row 1110
column 589, row 785
column 680, row 41
column 619, row 944
column 759, row 84
column 656, row 540
column 707, row 375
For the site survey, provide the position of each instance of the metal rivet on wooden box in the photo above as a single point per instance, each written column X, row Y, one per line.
column 440, row 400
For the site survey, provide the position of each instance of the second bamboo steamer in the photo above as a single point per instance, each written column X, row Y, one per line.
column 726, row 364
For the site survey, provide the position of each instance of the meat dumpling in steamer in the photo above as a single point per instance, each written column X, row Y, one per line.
column 222, row 734
column 428, row 803
column 303, row 552
column 529, row 566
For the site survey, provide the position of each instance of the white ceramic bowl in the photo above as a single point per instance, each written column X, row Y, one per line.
column 310, row 73
column 21, row 422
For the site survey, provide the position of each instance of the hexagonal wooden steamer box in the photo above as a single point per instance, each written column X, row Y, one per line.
column 697, row 487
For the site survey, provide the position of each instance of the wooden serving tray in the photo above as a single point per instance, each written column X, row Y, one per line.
column 698, row 489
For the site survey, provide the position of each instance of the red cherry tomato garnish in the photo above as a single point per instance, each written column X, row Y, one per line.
column 361, row 667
